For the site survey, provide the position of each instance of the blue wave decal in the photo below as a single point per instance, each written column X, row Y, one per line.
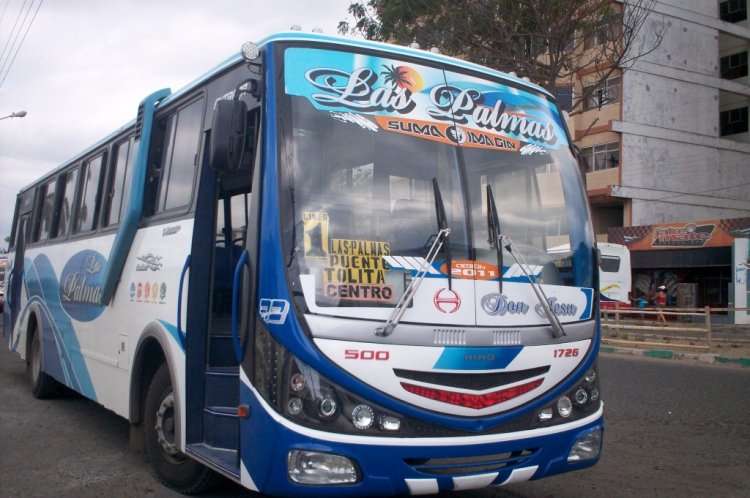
column 589, row 293
column 172, row 329
column 43, row 288
column 477, row 358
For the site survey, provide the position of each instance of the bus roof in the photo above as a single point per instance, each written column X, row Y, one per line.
column 352, row 42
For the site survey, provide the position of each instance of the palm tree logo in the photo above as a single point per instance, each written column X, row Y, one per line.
column 402, row 77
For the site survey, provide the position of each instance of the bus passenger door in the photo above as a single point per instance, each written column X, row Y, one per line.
column 212, row 365
column 14, row 281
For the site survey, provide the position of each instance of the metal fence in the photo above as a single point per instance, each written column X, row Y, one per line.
column 689, row 328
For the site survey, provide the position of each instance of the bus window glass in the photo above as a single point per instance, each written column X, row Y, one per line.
column 610, row 264
column 180, row 157
column 47, row 200
column 87, row 204
column 67, row 194
column 117, row 183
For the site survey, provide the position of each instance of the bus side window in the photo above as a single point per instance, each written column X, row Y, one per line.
column 174, row 159
column 46, row 209
column 119, row 181
column 89, row 198
column 67, row 194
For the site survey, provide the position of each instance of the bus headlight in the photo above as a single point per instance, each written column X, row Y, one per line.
column 315, row 468
column 581, row 400
column 301, row 394
column 586, row 447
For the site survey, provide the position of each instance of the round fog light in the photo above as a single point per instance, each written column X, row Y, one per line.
column 297, row 382
column 564, row 407
column 590, row 377
column 362, row 417
column 327, row 407
column 294, row 406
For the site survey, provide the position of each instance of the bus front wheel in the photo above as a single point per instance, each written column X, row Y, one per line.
column 42, row 385
column 173, row 468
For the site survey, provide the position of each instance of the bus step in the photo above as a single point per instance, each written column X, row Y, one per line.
column 223, row 460
column 221, row 427
column 222, row 386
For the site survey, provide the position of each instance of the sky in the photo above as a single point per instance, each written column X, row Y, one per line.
column 84, row 66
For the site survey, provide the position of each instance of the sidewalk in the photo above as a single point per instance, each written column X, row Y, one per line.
column 730, row 346
column 668, row 354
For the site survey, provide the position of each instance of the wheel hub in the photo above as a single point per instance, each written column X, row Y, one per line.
column 165, row 427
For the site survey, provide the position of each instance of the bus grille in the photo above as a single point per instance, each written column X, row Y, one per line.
column 470, row 465
column 471, row 381
column 449, row 337
column 506, row 337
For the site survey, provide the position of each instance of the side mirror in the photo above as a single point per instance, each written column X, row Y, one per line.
column 228, row 135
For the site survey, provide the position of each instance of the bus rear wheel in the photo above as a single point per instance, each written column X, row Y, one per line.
column 42, row 385
column 173, row 468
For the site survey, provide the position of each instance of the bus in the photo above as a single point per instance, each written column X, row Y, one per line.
column 615, row 281
column 322, row 269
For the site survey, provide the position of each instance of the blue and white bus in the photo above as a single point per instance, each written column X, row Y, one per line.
column 322, row 270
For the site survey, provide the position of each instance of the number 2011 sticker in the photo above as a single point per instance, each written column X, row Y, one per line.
column 566, row 353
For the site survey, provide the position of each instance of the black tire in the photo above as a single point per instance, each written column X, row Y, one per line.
column 42, row 385
column 173, row 468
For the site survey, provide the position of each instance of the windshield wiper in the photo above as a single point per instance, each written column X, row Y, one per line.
column 503, row 241
column 493, row 228
column 557, row 329
column 442, row 221
column 424, row 267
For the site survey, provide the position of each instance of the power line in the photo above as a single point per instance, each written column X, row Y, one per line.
column 4, row 9
column 22, row 39
column 8, row 44
column 700, row 193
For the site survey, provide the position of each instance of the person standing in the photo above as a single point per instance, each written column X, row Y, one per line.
column 661, row 301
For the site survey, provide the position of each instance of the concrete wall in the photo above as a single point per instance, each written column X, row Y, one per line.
column 670, row 123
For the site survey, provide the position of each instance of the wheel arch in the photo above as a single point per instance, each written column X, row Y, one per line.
column 151, row 351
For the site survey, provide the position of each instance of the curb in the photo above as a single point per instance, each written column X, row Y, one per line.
column 673, row 355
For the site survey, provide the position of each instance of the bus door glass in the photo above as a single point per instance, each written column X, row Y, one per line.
column 14, row 275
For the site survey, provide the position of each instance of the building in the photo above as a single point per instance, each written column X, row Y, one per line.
column 666, row 144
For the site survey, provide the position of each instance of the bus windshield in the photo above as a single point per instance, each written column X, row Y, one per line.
column 375, row 147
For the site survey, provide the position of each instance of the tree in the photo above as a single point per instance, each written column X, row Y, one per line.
column 549, row 41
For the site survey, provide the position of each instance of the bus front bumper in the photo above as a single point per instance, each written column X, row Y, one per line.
column 277, row 454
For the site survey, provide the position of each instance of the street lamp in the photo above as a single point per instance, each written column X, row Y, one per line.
column 18, row 114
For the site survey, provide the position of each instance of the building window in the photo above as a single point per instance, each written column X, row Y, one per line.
column 601, row 157
column 564, row 96
column 598, row 35
column 604, row 93
column 733, row 121
column 733, row 10
column 734, row 66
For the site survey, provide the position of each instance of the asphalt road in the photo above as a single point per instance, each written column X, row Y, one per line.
column 673, row 429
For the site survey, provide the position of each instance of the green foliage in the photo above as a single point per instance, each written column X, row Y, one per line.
column 540, row 39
